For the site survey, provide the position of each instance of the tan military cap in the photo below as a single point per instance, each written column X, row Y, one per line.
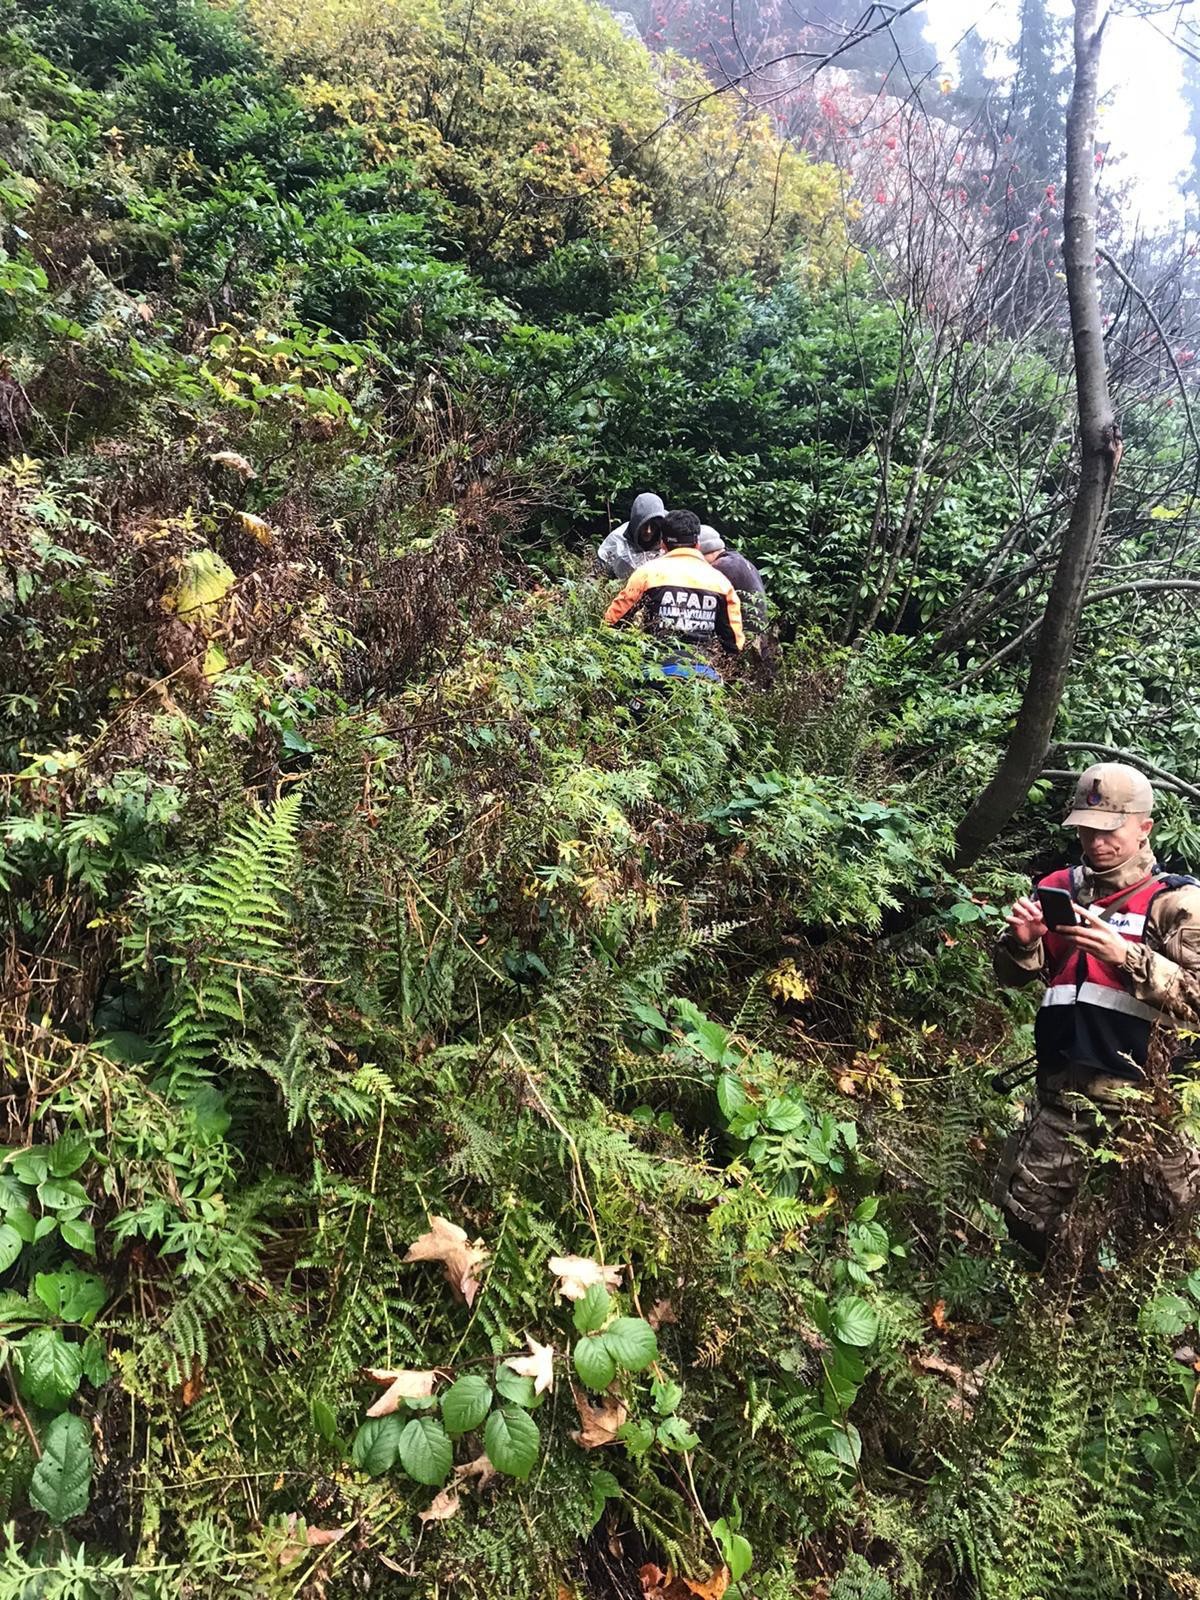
column 1108, row 793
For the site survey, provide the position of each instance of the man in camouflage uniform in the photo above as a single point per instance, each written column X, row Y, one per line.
column 1131, row 962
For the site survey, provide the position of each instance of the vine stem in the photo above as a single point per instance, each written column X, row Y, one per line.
column 12, row 1383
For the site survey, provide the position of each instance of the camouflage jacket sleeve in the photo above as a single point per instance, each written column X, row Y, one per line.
column 1015, row 964
column 1165, row 970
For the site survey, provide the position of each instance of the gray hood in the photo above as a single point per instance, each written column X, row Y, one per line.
column 643, row 509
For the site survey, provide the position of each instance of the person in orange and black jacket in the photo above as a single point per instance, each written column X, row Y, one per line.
column 679, row 596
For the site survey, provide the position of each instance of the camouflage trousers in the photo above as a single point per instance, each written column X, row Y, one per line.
column 1047, row 1156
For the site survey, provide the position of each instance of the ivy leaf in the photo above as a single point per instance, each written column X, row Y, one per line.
column 854, row 1322
column 593, row 1310
column 50, row 1368
column 425, row 1451
column 511, row 1440
column 632, row 1343
column 466, row 1403
column 11, row 1244
column 62, row 1479
column 376, row 1445
column 594, row 1362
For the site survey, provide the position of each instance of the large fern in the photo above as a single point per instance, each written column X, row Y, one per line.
column 231, row 927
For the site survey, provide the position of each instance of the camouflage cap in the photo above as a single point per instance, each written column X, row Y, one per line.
column 1108, row 793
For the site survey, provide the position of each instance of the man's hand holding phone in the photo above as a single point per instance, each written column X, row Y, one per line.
column 1095, row 936
column 1026, row 923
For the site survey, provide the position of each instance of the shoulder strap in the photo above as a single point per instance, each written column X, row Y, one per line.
column 1177, row 880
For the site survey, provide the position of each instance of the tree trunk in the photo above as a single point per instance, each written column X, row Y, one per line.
column 1100, row 451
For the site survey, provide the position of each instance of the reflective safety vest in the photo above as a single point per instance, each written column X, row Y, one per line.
column 1088, row 1018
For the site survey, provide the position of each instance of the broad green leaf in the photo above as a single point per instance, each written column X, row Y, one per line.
column 593, row 1310
column 511, row 1441
column 865, row 1210
column 73, row 1295
column 739, row 1557
column 23, row 1222
column 31, row 1165
column 80, row 1235
column 69, row 1153
column 604, row 1488
column 12, row 1191
column 651, row 1016
column 854, row 1322
column 1167, row 1314
column 667, row 1398
column 637, row 1437
column 426, row 1453
column 376, row 1445
column 62, row 1479
column 594, row 1362
column 324, row 1419
column 845, row 1443
column 50, row 1368
column 632, row 1343
column 95, row 1360
column 731, row 1097
column 11, row 1245
column 58, row 1194
column 735, row 1548
column 466, row 1403
column 514, row 1386
column 674, row 1434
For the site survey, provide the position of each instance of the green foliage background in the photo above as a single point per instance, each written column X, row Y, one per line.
column 354, row 876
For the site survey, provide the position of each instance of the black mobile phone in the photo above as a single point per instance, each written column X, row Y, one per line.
column 1057, row 908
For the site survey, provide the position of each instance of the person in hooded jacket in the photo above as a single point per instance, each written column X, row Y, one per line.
column 635, row 542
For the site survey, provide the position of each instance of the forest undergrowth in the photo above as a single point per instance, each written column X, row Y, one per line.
column 477, row 1123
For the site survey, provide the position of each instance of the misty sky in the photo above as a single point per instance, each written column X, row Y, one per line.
column 1145, row 118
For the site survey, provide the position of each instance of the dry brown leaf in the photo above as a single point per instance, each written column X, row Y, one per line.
column 661, row 1313
column 968, row 1385
column 297, row 1544
column 599, row 1424
column 441, row 1508
column 538, row 1365
column 193, row 1385
column 481, row 1469
column 234, row 461
column 577, row 1274
column 447, row 1243
column 401, row 1386
column 660, row 1585
column 937, row 1315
